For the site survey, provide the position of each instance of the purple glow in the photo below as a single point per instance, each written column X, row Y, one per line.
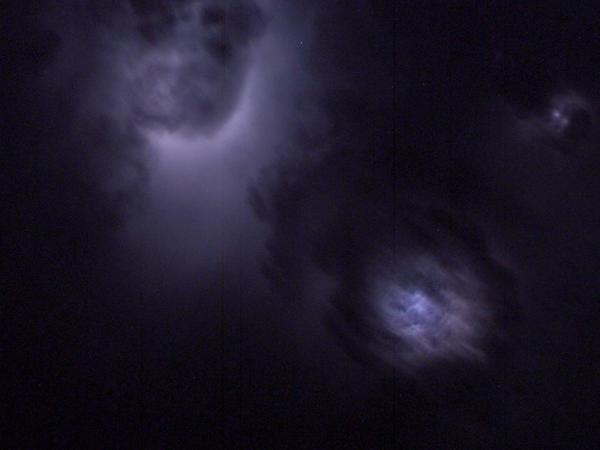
column 426, row 313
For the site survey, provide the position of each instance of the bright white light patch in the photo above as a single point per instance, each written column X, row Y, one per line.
column 427, row 313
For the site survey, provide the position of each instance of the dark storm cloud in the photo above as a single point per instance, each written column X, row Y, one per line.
column 349, row 224
column 463, row 140
column 345, row 193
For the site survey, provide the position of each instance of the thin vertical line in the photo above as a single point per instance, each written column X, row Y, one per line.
column 141, row 368
column 222, row 263
column 394, row 201
column 222, row 342
column 240, row 335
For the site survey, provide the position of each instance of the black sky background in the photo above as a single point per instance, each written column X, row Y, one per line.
column 158, row 296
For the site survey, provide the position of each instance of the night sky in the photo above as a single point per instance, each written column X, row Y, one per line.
column 300, row 224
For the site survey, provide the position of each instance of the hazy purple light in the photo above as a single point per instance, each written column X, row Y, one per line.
column 428, row 313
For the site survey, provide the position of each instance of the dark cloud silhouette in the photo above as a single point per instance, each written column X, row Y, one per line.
column 409, row 166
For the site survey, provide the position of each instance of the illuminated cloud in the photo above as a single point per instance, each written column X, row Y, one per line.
column 423, row 312
column 189, row 76
column 565, row 122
